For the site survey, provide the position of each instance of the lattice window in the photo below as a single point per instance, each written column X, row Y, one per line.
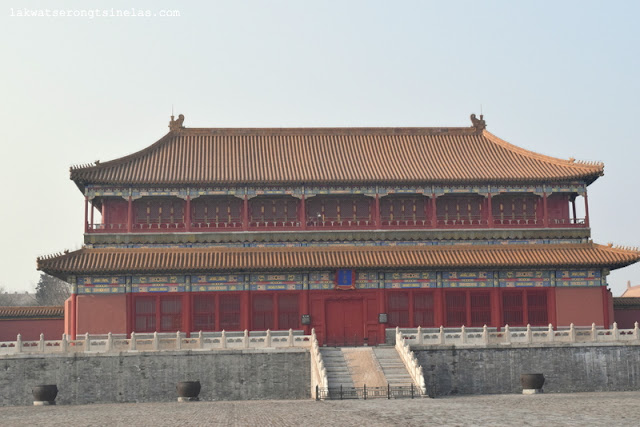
column 512, row 308
column 204, row 316
column 459, row 207
column 159, row 211
column 229, row 312
column 398, row 309
column 480, row 308
column 456, row 303
column 402, row 208
column 207, row 210
column 145, row 314
column 262, row 312
column 423, row 309
column 288, row 312
column 537, row 308
column 515, row 207
column 170, row 313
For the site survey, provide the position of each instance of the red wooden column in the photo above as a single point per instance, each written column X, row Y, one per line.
column 73, row 314
column 586, row 210
column 411, row 309
column 187, row 214
column 245, row 310
column 489, row 211
column 468, row 309
column 525, row 307
column 91, row 215
column 187, row 313
column 86, row 215
column 382, row 308
column 245, row 213
column 438, row 307
column 104, row 212
column 551, row 306
column 573, row 211
column 303, row 213
column 545, row 208
column 495, row 308
column 305, row 310
column 605, row 307
column 129, row 319
column 434, row 211
column 130, row 215
column 376, row 211
column 276, row 312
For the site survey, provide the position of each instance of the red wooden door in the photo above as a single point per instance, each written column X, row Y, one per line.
column 345, row 324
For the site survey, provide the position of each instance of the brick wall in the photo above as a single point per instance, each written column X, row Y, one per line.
column 567, row 369
column 152, row 377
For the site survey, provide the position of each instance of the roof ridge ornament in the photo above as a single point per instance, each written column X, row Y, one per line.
column 479, row 124
column 176, row 125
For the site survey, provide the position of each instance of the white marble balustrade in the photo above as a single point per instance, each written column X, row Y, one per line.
column 114, row 343
column 482, row 337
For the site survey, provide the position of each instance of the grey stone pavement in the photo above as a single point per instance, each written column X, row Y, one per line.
column 585, row 409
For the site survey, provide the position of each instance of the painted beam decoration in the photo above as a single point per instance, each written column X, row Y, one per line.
column 467, row 279
column 217, row 282
column 410, row 280
column 577, row 278
column 152, row 284
column 101, row 284
column 367, row 280
column 323, row 280
column 524, row 279
column 276, row 282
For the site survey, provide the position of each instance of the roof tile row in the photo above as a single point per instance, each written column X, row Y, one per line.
column 332, row 156
column 165, row 260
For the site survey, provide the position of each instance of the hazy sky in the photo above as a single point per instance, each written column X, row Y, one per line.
column 559, row 78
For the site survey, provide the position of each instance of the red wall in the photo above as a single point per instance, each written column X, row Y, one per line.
column 580, row 306
column 30, row 329
column 101, row 314
column 626, row 318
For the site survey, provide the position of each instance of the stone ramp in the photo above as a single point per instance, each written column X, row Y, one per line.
column 364, row 367
column 338, row 373
column 392, row 366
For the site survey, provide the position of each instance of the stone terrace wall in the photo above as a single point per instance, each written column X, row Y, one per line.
column 152, row 376
column 451, row 371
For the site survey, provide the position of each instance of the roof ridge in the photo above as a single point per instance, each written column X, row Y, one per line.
column 581, row 164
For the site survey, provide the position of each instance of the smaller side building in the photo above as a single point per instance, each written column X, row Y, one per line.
column 626, row 311
column 30, row 322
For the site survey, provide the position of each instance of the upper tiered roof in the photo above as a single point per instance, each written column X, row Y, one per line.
column 292, row 156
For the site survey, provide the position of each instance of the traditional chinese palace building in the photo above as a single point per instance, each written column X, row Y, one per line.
column 345, row 230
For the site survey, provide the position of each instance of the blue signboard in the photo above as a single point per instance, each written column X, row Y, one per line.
column 345, row 279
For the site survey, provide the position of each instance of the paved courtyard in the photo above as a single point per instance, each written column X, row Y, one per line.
column 580, row 409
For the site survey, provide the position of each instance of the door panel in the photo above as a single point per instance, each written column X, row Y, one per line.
column 345, row 323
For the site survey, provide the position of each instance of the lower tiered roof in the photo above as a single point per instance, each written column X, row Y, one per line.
column 209, row 259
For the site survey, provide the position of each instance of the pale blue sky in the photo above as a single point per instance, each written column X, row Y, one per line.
column 559, row 78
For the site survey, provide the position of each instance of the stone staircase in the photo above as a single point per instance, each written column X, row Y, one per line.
column 357, row 366
column 392, row 366
column 338, row 373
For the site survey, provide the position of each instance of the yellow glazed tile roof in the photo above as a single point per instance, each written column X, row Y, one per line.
column 202, row 156
column 158, row 260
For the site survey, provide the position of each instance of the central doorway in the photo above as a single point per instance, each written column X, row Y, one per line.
column 345, row 324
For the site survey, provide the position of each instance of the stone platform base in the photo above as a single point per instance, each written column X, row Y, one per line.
column 188, row 399
column 43, row 403
column 531, row 391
